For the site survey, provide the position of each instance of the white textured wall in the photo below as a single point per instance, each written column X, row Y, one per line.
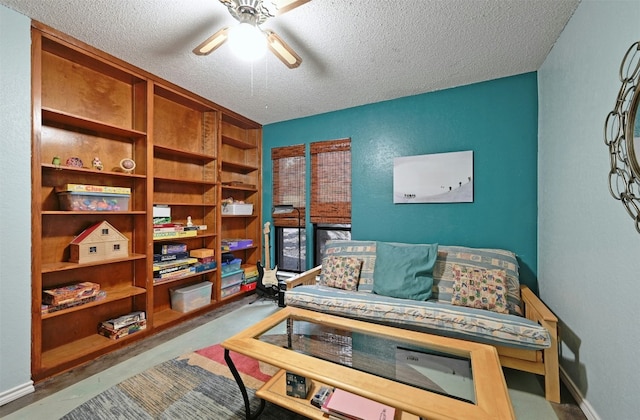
column 15, row 205
column 589, row 250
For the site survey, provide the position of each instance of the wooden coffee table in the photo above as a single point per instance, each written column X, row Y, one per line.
column 421, row 375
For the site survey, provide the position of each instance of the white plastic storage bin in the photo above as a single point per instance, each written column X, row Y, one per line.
column 188, row 298
column 238, row 209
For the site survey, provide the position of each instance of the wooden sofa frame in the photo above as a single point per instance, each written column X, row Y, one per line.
column 541, row 362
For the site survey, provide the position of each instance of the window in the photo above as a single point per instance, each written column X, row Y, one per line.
column 289, row 188
column 331, row 181
column 116, row 247
column 105, row 231
column 330, row 210
column 93, row 250
column 291, row 252
column 322, row 232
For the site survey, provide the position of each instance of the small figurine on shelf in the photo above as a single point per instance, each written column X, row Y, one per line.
column 189, row 222
column 97, row 163
column 56, row 161
column 75, row 162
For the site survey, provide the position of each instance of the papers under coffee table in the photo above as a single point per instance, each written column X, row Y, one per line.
column 418, row 374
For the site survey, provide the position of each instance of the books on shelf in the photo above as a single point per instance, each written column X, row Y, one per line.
column 175, row 234
column 166, row 266
column 196, row 227
column 172, row 263
column 169, row 248
column 346, row 405
column 174, row 269
column 170, row 257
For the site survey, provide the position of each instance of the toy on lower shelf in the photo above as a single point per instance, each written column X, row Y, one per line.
column 70, row 293
column 124, row 325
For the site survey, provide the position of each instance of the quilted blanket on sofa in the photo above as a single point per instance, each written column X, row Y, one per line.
column 427, row 316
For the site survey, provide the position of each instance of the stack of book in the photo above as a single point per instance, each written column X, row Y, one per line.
column 123, row 325
column 345, row 405
column 250, row 279
column 69, row 296
column 176, row 230
column 171, row 260
column 205, row 257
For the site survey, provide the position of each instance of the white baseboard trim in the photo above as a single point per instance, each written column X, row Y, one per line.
column 584, row 405
column 16, row 392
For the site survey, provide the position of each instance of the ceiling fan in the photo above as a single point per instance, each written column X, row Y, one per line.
column 251, row 14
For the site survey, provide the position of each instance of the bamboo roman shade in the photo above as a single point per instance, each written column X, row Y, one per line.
column 289, row 178
column 331, row 181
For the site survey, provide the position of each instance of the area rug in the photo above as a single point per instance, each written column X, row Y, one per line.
column 197, row 385
column 200, row 386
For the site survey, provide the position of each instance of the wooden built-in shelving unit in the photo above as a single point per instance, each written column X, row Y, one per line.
column 86, row 104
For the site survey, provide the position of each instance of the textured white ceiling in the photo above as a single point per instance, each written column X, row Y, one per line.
column 354, row 52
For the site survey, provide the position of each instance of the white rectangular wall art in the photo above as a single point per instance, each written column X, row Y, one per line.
column 434, row 178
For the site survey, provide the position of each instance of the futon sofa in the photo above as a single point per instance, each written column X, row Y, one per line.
column 466, row 293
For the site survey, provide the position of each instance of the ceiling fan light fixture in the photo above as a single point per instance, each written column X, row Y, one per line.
column 213, row 42
column 283, row 51
column 247, row 41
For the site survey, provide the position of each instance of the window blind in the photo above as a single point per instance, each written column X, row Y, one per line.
column 331, row 181
column 289, row 178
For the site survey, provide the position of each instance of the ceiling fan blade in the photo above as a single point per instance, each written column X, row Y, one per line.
column 283, row 6
column 282, row 50
column 213, row 42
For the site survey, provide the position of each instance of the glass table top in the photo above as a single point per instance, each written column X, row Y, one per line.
column 442, row 371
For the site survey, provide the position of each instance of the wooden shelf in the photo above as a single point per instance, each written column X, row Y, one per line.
column 237, row 143
column 186, row 276
column 275, row 391
column 166, row 317
column 112, row 295
column 186, row 204
column 49, row 166
column 102, row 213
column 86, row 346
column 66, row 265
column 238, row 167
column 74, row 122
column 162, row 150
column 184, row 181
column 237, row 187
column 242, row 249
column 199, row 236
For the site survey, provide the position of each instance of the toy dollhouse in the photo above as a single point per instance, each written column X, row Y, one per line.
column 98, row 242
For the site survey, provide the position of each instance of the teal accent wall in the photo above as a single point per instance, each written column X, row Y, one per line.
column 497, row 120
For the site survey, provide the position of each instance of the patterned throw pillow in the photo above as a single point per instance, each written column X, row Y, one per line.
column 364, row 251
column 340, row 272
column 480, row 288
column 476, row 258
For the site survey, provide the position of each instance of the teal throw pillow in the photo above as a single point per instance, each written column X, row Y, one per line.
column 404, row 270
